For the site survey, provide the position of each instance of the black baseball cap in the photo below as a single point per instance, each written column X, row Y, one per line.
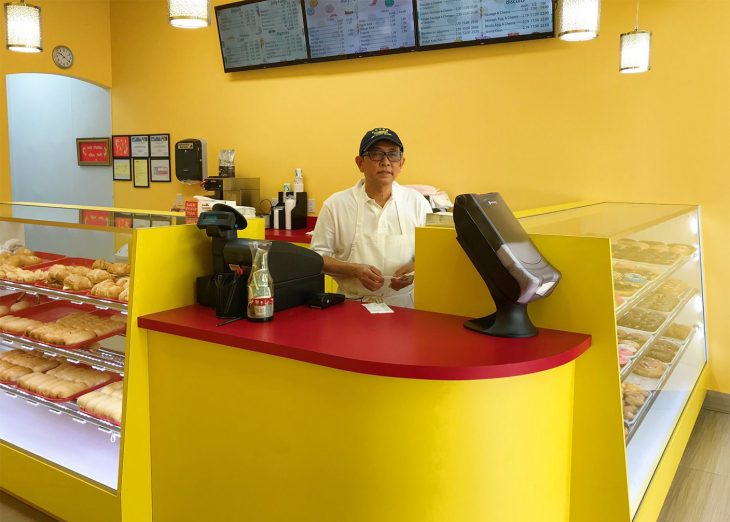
column 375, row 135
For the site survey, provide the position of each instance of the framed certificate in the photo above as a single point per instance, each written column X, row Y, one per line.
column 159, row 146
column 122, row 169
column 141, row 172
column 140, row 146
column 160, row 169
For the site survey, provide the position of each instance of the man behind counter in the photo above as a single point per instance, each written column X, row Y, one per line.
column 366, row 234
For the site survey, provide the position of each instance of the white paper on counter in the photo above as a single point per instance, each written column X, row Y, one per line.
column 378, row 308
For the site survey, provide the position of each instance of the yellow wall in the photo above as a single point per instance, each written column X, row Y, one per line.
column 81, row 25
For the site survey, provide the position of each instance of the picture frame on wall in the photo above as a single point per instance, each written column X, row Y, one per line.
column 140, row 145
column 160, row 170
column 159, row 145
column 93, row 151
column 141, row 172
column 122, row 169
column 121, row 146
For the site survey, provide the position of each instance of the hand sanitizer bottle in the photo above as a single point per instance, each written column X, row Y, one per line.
column 298, row 180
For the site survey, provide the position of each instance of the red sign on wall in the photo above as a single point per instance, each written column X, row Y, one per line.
column 100, row 218
column 93, row 151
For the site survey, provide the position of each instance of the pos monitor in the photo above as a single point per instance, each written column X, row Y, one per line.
column 513, row 269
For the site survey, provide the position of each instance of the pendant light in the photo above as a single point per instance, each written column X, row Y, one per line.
column 23, row 27
column 189, row 14
column 635, row 49
column 578, row 20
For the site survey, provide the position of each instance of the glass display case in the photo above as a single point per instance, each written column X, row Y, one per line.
column 63, row 314
column 659, row 320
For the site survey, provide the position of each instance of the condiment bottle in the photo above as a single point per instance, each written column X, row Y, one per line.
column 260, row 286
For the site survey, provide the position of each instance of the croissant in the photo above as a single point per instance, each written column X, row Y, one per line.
column 58, row 273
column 76, row 282
column 101, row 264
column 97, row 275
column 118, row 268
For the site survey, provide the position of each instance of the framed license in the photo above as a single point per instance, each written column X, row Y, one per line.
column 122, row 169
column 93, row 151
column 159, row 146
column 120, row 147
column 141, row 172
column 160, row 169
column 140, row 146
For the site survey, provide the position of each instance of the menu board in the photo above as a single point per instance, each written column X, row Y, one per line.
column 353, row 27
column 445, row 22
column 261, row 33
column 267, row 33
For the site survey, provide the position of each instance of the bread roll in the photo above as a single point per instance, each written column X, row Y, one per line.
column 4, row 310
column 17, row 307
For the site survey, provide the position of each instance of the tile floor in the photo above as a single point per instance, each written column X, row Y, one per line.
column 700, row 491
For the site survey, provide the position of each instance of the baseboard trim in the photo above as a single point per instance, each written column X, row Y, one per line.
column 717, row 401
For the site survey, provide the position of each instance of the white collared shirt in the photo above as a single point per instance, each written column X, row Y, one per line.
column 335, row 230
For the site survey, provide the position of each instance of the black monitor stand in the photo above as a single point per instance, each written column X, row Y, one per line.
column 510, row 319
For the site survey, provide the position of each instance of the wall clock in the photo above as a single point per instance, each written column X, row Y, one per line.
column 63, row 56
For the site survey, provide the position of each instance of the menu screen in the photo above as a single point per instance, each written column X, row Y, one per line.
column 359, row 26
column 267, row 33
column 444, row 22
column 261, row 33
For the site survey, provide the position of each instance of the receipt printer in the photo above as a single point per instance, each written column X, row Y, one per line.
column 296, row 271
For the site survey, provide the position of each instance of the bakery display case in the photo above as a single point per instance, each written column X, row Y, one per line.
column 659, row 317
column 632, row 279
column 74, row 418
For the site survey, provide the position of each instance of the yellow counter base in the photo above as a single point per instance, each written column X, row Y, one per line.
column 258, row 437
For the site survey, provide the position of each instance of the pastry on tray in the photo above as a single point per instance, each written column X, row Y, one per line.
column 105, row 402
column 650, row 367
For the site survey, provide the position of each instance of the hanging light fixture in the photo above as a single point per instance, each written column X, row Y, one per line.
column 189, row 14
column 635, row 49
column 578, row 20
column 23, row 27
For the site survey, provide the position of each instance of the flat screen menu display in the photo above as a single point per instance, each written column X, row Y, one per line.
column 356, row 27
column 261, row 33
column 450, row 22
column 267, row 33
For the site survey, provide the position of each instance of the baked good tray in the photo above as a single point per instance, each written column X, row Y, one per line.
column 112, row 378
column 54, row 310
column 66, row 261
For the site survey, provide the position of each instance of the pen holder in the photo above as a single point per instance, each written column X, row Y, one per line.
column 230, row 295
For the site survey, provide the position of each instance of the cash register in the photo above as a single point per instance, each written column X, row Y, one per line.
column 296, row 271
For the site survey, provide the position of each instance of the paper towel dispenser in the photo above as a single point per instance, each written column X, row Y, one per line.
column 191, row 160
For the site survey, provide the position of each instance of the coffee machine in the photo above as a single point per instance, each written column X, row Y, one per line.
column 244, row 191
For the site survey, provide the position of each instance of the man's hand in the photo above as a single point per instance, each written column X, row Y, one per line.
column 400, row 279
column 369, row 276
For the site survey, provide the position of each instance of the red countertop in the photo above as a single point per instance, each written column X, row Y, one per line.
column 293, row 236
column 408, row 343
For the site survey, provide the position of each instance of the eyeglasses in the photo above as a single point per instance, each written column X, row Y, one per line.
column 378, row 155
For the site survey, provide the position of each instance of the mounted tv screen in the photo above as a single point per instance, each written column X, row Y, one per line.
column 269, row 33
column 456, row 22
column 359, row 27
column 261, row 33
